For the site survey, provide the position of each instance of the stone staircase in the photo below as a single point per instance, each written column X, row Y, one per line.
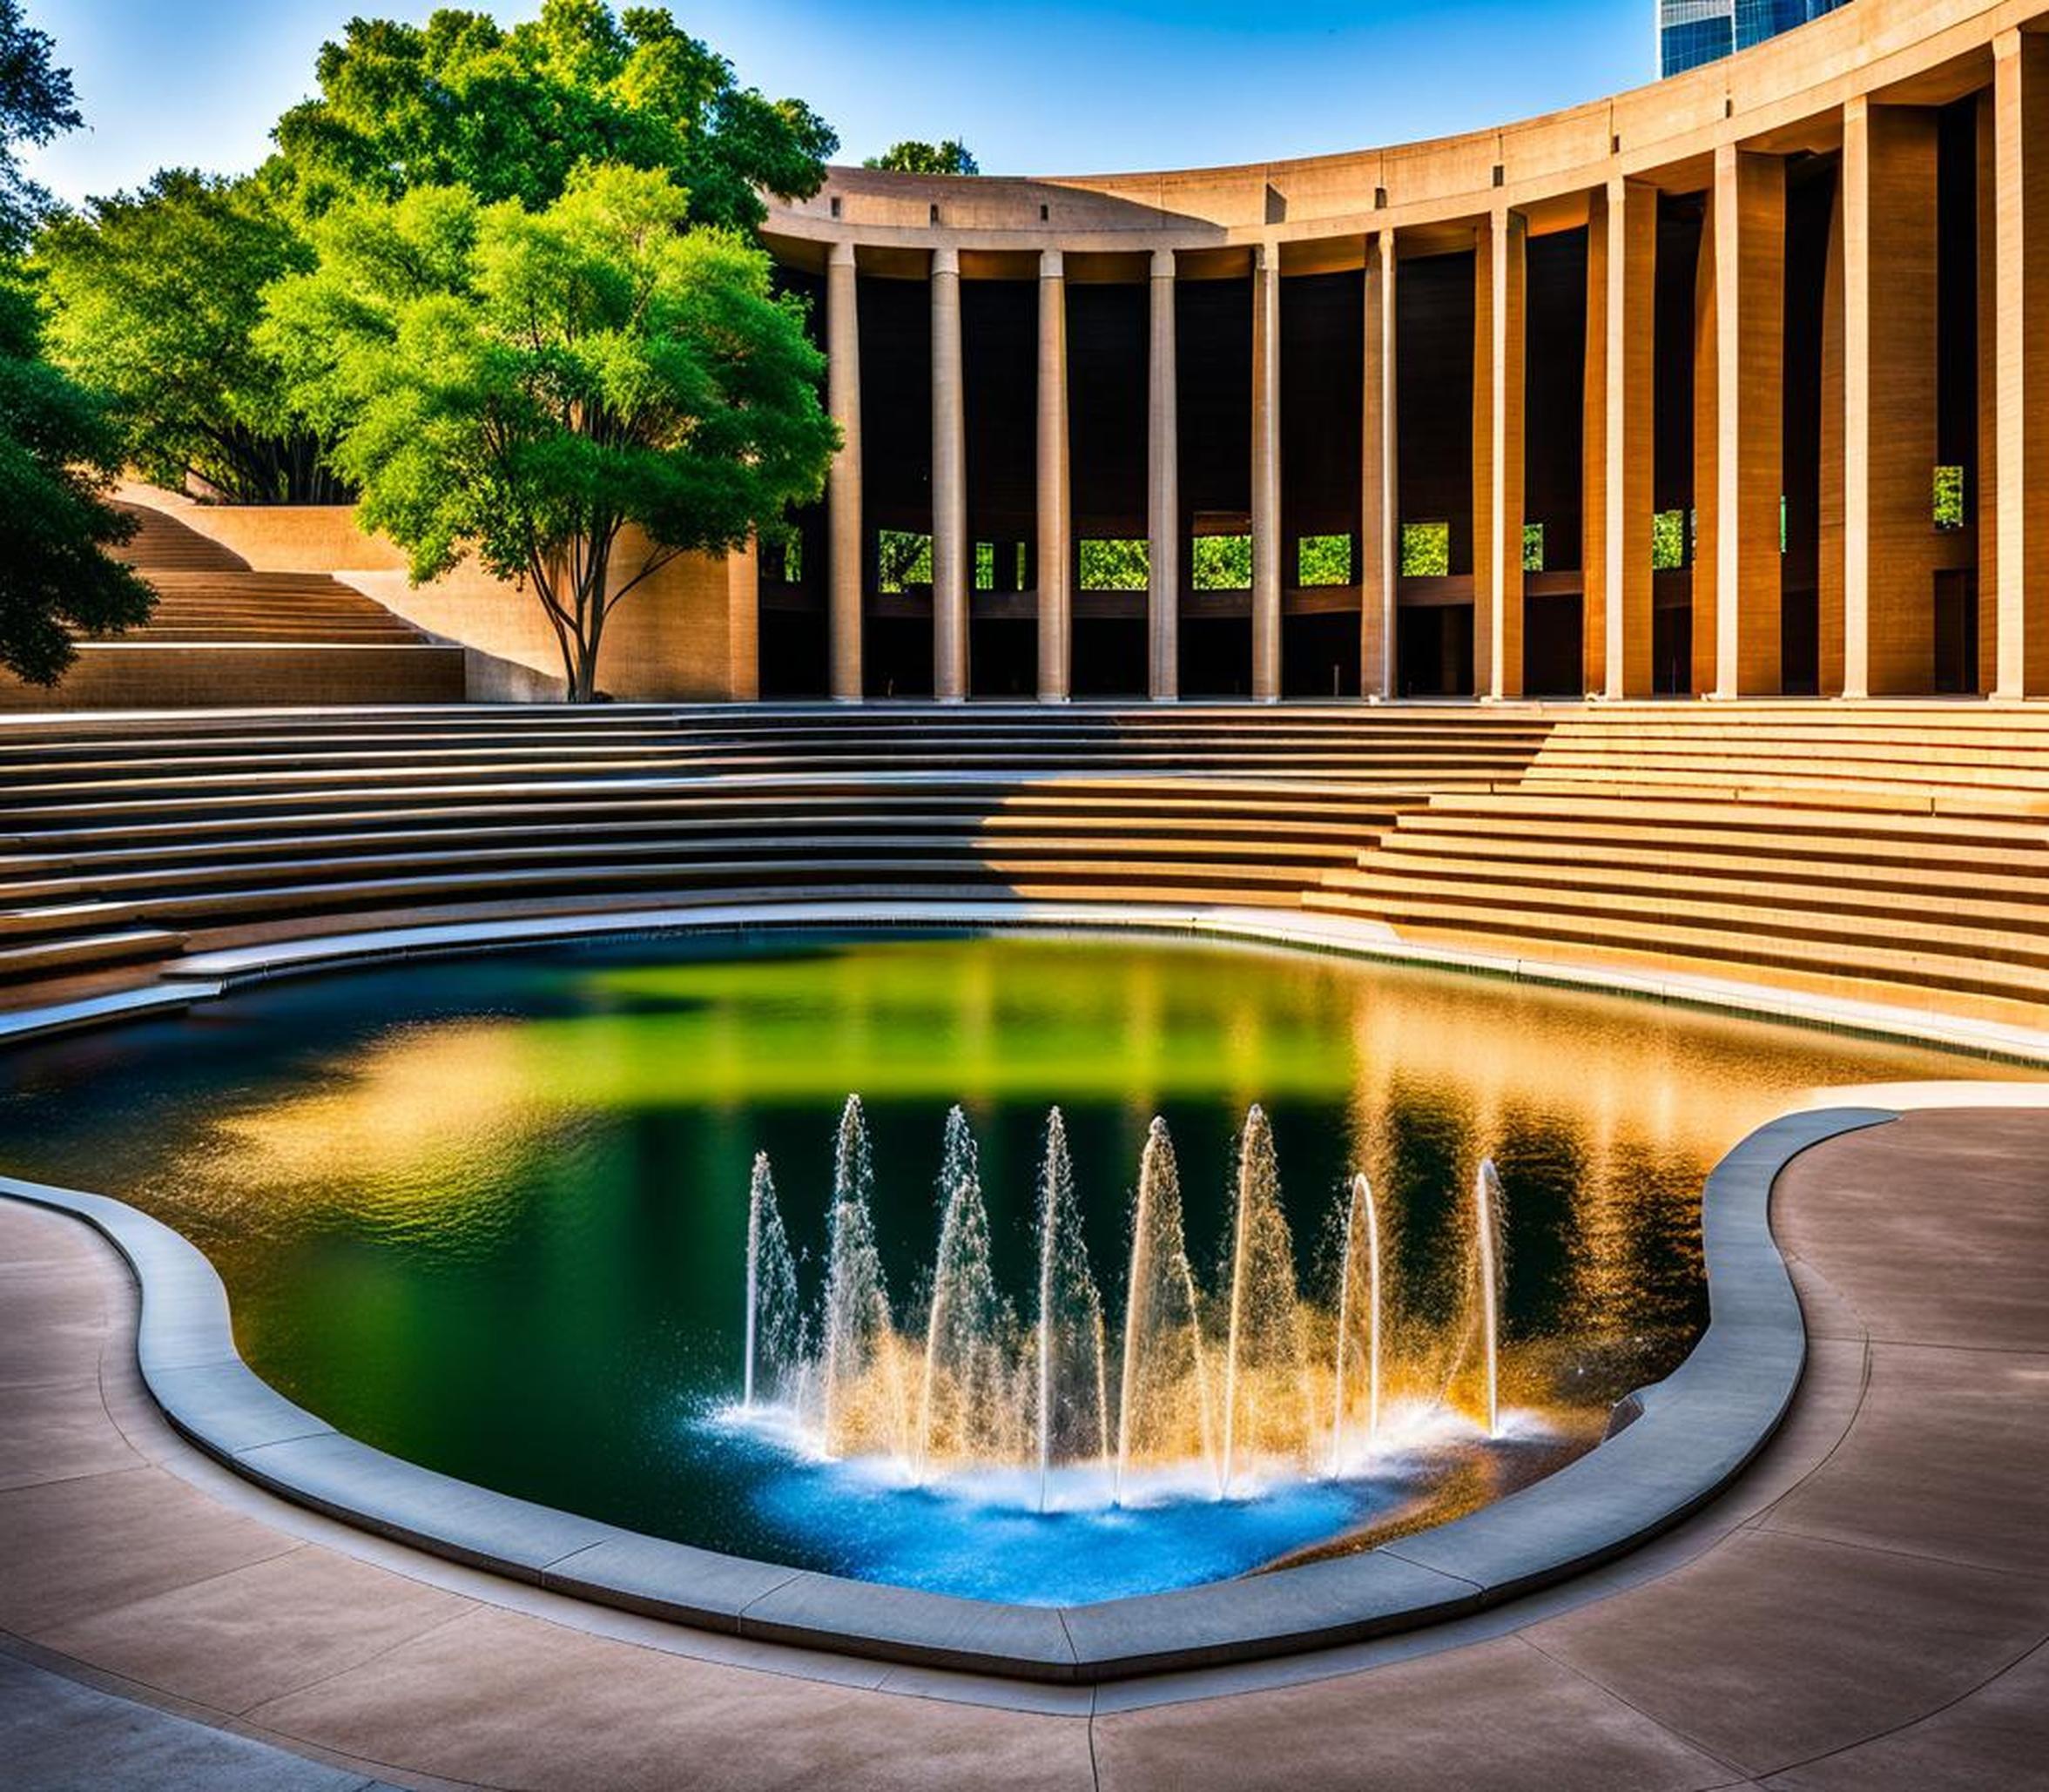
column 125, row 837
column 224, row 634
column 1893, row 854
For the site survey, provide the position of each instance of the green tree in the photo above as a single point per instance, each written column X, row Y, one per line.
column 154, row 297
column 509, row 114
column 911, row 156
column 525, row 385
column 59, row 456
column 59, row 451
column 36, row 105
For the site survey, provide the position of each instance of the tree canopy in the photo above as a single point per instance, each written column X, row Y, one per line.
column 911, row 156
column 153, row 296
column 511, row 113
column 524, row 384
column 36, row 105
column 58, row 454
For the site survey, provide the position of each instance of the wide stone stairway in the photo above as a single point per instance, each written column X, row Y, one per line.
column 124, row 839
column 225, row 634
column 1898, row 854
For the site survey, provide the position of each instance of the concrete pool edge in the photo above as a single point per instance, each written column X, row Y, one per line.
column 1697, row 1431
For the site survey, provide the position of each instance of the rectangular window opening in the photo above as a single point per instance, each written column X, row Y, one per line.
column 1220, row 563
column 1533, row 547
column 1949, row 499
column 1116, row 564
column 985, row 566
column 1667, row 541
column 1323, row 560
column 1426, row 550
column 903, row 561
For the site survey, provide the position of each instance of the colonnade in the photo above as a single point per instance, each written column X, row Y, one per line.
column 1878, row 558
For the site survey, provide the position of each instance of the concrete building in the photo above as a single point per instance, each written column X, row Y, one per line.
column 1731, row 386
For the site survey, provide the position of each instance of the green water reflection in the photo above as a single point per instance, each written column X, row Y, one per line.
column 490, row 1215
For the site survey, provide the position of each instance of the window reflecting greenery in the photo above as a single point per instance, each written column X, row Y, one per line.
column 1426, row 550
column 985, row 566
column 1323, row 560
column 782, row 562
column 1667, row 541
column 1533, row 547
column 1221, row 562
column 903, row 560
column 1115, row 565
column 1949, row 498
column 1024, row 572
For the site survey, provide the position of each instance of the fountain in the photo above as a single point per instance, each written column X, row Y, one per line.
column 1072, row 1408
column 1359, row 1290
column 861, row 1393
column 1165, row 1369
column 1231, row 1384
column 1265, row 1358
column 1486, row 1204
column 775, row 1341
column 961, row 1408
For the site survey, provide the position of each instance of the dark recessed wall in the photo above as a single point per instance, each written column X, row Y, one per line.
column 1434, row 329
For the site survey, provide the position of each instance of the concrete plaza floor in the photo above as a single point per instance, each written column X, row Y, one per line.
column 1867, row 1607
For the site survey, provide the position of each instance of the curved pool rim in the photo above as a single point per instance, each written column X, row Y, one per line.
column 1673, row 1446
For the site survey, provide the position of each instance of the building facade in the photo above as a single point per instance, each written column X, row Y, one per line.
column 1693, row 33
column 1734, row 385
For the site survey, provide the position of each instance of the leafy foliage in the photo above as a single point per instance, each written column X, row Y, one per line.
column 911, row 156
column 1115, row 565
column 36, row 105
column 524, row 385
column 1426, row 550
column 154, row 297
column 1323, row 560
column 903, row 559
column 1668, row 543
column 1220, row 563
column 58, row 455
column 511, row 113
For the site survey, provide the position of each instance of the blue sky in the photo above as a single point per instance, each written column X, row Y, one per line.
column 1109, row 84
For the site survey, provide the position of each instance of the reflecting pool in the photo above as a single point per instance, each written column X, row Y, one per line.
column 494, row 1215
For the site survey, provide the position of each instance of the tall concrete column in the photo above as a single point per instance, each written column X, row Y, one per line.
column 1629, row 377
column 949, row 485
column 1890, row 547
column 1379, row 500
column 1855, row 205
column 1594, row 453
column 1266, row 473
column 1162, row 608
column 1500, row 343
column 843, row 483
column 2020, row 399
column 1055, row 549
column 1746, row 446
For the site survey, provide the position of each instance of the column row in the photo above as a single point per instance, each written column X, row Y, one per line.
column 1878, row 553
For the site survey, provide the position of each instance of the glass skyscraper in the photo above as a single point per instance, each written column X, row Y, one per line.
column 1691, row 32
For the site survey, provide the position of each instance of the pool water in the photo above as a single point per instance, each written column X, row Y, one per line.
column 490, row 1214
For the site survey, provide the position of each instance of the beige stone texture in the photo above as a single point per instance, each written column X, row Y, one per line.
column 1055, row 516
column 845, row 555
column 1379, row 506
